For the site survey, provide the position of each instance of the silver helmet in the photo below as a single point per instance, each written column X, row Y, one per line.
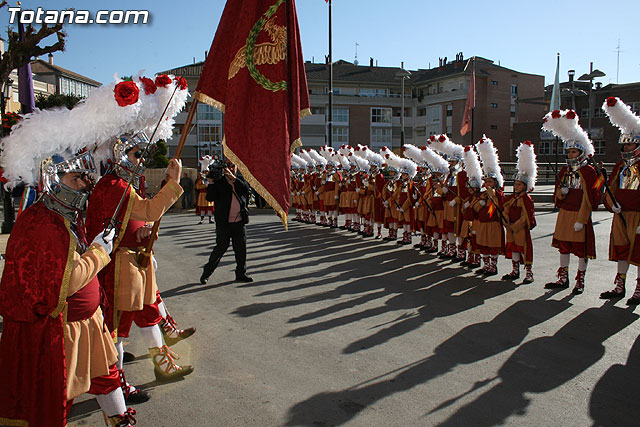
column 53, row 168
column 124, row 167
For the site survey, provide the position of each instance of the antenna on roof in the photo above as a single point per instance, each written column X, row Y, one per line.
column 355, row 61
column 618, row 64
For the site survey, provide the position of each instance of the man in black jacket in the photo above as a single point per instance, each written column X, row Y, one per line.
column 231, row 198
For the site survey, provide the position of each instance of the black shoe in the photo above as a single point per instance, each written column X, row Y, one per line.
column 203, row 279
column 633, row 301
column 556, row 285
column 128, row 357
column 243, row 278
column 511, row 276
column 612, row 295
column 138, row 396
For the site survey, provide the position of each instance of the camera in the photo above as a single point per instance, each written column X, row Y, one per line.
column 216, row 170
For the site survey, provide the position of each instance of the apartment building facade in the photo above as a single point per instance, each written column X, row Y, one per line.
column 367, row 104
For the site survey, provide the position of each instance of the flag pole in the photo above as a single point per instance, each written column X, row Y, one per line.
column 330, row 115
column 473, row 109
column 145, row 256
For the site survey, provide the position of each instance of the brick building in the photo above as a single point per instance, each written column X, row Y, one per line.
column 367, row 102
column 575, row 95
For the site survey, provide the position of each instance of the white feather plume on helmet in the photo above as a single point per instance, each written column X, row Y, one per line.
column 304, row 155
column 375, row 159
column 361, row 151
column 621, row 115
column 435, row 161
column 344, row 162
column 409, row 167
column 444, row 145
column 490, row 160
column 564, row 124
column 472, row 166
column 526, row 165
column 391, row 159
column 413, row 153
column 205, row 162
column 363, row 164
column 345, row 150
column 93, row 124
column 318, row 160
column 298, row 162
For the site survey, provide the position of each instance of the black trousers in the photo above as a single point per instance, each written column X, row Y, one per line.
column 235, row 232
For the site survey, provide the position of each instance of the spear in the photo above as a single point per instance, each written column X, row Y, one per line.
column 113, row 222
column 145, row 256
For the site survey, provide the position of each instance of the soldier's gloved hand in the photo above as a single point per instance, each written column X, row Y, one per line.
column 466, row 205
column 174, row 170
column 482, row 203
column 317, row 193
column 616, row 208
column 564, row 191
column 336, row 197
column 445, row 190
column 400, row 210
column 417, row 205
column 453, row 203
column 105, row 241
column 638, row 230
column 386, row 204
column 578, row 226
column 154, row 262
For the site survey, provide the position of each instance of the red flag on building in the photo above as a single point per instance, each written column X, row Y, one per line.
column 255, row 74
column 471, row 102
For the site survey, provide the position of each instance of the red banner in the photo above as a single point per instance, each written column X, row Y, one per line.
column 470, row 105
column 254, row 73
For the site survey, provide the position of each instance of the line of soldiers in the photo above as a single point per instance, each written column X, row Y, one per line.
column 456, row 204
column 439, row 191
column 78, row 272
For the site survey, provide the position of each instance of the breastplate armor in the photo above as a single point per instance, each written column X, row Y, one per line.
column 572, row 180
column 630, row 178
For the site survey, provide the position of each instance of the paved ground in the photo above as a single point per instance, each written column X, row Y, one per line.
column 340, row 330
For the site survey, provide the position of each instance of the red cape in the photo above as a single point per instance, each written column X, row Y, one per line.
column 102, row 204
column 33, row 294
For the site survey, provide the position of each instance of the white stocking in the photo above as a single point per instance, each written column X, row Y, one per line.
column 163, row 310
column 113, row 403
column 582, row 264
column 564, row 260
column 152, row 336
column 120, row 349
column 516, row 256
column 451, row 237
column 623, row 267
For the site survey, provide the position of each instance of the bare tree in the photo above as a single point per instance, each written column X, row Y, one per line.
column 19, row 53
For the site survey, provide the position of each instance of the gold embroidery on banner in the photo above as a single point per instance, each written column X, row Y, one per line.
column 264, row 53
column 297, row 143
column 66, row 277
column 208, row 100
column 254, row 183
column 12, row 422
column 304, row 113
column 251, row 54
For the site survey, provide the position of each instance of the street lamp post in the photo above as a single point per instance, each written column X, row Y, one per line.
column 402, row 74
column 593, row 74
column 7, row 204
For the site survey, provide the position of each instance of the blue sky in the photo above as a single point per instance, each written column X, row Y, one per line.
column 523, row 35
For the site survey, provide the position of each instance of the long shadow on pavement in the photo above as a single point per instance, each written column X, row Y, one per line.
column 544, row 364
column 471, row 344
column 614, row 400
